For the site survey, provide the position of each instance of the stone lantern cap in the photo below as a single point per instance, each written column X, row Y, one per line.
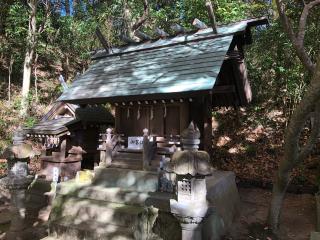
column 190, row 161
column 19, row 149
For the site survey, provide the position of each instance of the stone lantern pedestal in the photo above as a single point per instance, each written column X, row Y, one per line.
column 17, row 182
column 17, row 188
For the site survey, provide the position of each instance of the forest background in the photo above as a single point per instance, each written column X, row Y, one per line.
column 248, row 140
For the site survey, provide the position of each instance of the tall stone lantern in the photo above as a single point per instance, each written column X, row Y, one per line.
column 17, row 182
column 191, row 168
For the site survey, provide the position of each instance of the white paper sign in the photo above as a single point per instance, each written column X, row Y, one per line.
column 135, row 143
column 55, row 174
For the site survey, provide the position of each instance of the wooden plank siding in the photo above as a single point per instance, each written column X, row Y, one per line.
column 175, row 120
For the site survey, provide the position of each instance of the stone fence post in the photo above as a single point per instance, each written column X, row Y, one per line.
column 106, row 150
column 149, row 149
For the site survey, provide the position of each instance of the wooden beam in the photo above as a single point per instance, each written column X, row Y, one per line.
column 161, row 33
column 127, row 39
column 212, row 16
column 177, row 28
column 207, row 124
column 241, row 81
column 142, row 35
column 224, row 89
column 102, row 40
column 199, row 24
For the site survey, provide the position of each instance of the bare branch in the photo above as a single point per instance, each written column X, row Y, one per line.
column 298, row 45
column 47, row 15
column 143, row 18
column 285, row 20
column 303, row 20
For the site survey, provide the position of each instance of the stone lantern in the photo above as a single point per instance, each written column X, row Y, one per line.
column 191, row 168
column 17, row 182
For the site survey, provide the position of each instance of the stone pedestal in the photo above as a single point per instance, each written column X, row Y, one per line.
column 17, row 187
column 18, row 212
column 191, row 230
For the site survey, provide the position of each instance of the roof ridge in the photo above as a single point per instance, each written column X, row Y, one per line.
column 223, row 30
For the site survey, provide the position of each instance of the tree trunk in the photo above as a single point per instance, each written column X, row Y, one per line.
column 293, row 154
column 36, row 76
column 9, row 78
column 67, row 7
column 74, row 6
column 66, row 67
column 27, row 66
column 127, row 19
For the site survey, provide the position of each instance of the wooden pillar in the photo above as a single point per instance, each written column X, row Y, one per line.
column 241, row 81
column 207, row 124
column 117, row 120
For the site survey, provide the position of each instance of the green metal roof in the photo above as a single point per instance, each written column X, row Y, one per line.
column 188, row 63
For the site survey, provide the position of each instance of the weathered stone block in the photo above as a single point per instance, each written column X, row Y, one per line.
column 223, row 199
column 315, row 236
column 141, row 181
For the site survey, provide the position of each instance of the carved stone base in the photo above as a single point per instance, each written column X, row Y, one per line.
column 191, row 227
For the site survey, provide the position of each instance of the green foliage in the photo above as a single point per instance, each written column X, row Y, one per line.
column 30, row 122
column 3, row 165
column 273, row 64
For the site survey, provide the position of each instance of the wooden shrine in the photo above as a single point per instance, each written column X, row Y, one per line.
column 162, row 93
column 69, row 135
column 162, row 85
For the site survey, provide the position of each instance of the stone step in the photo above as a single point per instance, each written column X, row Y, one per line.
column 115, row 195
column 127, row 179
column 72, row 230
column 133, row 156
column 126, row 164
column 133, row 164
column 77, row 211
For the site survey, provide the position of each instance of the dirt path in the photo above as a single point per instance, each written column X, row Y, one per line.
column 298, row 218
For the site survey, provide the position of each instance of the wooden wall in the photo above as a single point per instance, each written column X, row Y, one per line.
column 176, row 119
